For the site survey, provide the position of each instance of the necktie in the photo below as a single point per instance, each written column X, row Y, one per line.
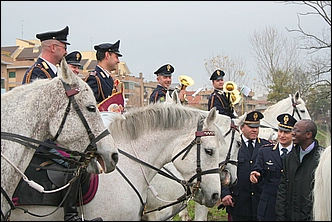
column 250, row 146
column 284, row 153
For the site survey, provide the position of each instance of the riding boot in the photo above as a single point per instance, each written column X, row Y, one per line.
column 70, row 204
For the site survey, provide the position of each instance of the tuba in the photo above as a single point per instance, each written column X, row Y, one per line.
column 231, row 88
column 186, row 81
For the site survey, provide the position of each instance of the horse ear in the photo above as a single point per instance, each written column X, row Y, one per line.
column 168, row 99
column 239, row 121
column 211, row 117
column 297, row 95
column 65, row 72
column 175, row 97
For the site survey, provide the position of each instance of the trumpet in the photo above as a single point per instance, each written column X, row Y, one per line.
column 231, row 88
column 186, row 81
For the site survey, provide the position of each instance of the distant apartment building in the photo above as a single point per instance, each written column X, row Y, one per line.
column 15, row 60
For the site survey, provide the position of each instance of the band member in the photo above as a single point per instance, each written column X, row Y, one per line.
column 100, row 80
column 219, row 98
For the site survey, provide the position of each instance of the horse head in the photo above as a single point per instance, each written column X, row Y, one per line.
column 82, row 126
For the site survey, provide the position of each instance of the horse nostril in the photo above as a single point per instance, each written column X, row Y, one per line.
column 215, row 196
column 115, row 157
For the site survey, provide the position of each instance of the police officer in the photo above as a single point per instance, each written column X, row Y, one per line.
column 100, row 80
column 269, row 166
column 164, row 78
column 73, row 60
column 54, row 48
column 218, row 98
column 241, row 200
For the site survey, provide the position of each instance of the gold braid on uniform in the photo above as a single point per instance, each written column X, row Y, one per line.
column 28, row 77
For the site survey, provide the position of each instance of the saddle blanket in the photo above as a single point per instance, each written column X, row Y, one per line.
column 51, row 180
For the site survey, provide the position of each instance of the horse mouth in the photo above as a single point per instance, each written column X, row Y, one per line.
column 100, row 164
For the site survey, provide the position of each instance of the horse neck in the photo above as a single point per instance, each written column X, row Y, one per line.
column 155, row 148
column 270, row 114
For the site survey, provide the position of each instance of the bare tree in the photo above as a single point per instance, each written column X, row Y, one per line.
column 233, row 68
column 276, row 57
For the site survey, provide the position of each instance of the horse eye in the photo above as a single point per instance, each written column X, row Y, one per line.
column 209, row 152
column 91, row 108
column 302, row 111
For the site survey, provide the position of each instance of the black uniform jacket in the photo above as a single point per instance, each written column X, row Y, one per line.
column 294, row 197
column 269, row 165
column 159, row 94
column 39, row 70
column 219, row 100
column 101, row 85
column 245, row 194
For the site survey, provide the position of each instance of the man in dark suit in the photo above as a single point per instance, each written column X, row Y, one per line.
column 100, row 80
column 269, row 167
column 54, row 48
column 218, row 97
column 241, row 200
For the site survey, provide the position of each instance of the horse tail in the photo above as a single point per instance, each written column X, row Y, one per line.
column 322, row 187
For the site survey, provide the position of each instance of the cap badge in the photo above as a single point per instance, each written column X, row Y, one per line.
column 218, row 72
column 286, row 118
column 255, row 116
column 168, row 68
column 78, row 56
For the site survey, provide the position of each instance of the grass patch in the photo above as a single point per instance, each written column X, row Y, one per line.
column 213, row 215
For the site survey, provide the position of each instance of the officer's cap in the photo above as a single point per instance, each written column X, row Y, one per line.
column 286, row 122
column 74, row 58
column 165, row 70
column 218, row 74
column 108, row 47
column 57, row 35
column 253, row 119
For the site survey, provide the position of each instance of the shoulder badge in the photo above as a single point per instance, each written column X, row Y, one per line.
column 45, row 65
column 102, row 75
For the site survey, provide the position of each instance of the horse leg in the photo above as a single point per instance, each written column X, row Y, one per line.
column 201, row 212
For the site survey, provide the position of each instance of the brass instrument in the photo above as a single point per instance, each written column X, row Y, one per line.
column 186, row 81
column 231, row 87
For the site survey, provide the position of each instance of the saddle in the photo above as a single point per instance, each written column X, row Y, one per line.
column 51, row 179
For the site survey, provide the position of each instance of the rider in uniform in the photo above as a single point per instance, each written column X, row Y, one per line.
column 220, row 99
column 164, row 77
column 100, row 80
column 54, row 48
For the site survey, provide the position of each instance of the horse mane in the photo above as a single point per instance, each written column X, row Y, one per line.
column 322, row 187
column 24, row 88
column 157, row 116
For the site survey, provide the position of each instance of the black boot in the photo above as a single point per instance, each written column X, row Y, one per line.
column 70, row 204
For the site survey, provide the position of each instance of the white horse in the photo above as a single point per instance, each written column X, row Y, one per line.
column 162, row 184
column 62, row 109
column 155, row 135
column 322, row 187
column 293, row 105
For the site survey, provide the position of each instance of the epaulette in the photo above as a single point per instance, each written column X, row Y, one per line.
column 268, row 145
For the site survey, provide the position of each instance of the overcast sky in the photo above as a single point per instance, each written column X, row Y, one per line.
column 155, row 33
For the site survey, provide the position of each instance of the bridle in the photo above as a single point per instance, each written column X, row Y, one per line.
column 85, row 157
column 190, row 187
column 295, row 110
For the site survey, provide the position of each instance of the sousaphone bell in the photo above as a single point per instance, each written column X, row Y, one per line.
column 186, row 81
column 231, row 87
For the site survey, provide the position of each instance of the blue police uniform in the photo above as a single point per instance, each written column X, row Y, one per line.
column 269, row 164
column 159, row 93
column 245, row 194
column 219, row 99
column 41, row 69
column 101, row 83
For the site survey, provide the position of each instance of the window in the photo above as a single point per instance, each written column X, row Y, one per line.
column 12, row 74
